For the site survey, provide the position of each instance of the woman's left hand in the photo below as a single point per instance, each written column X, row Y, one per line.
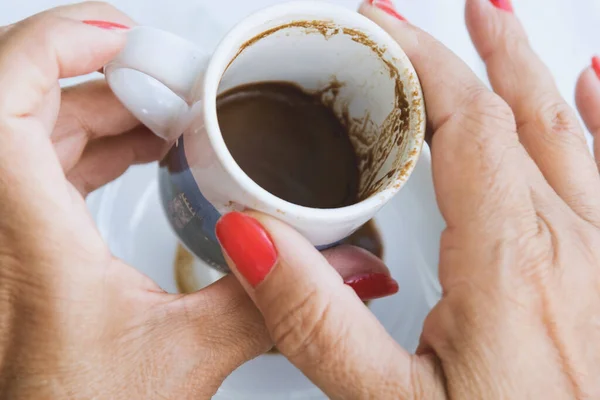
column 76, row 322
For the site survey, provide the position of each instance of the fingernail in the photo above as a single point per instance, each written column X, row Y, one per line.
column 503, row 5
column 248, row 245
column 388, row 7
column 105, row 24
column 596, row 65
column 372, row 286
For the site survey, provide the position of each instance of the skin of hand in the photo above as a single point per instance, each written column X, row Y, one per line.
column 75, row 322
column 520, row 258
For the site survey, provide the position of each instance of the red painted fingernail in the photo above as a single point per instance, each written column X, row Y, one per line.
column 388, row 7
column 596, row 65
column 248, row 245
column 372, row 286
column 105, row 24
column 503, row 5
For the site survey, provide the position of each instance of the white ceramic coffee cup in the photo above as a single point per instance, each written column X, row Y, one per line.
column 172, row 86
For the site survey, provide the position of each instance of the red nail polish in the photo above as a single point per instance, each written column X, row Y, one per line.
column 248, row 245
column 503, row 5
column 388, row 7
column 105, row 24
column 372, row 286
column 596, row 65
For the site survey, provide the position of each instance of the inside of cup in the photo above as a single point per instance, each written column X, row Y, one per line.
column 361, row 81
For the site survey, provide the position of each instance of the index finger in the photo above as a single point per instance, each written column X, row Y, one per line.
column 34, row 54
column 37, row 52
column 478, row 162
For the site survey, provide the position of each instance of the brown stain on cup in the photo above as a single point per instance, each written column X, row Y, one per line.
column 373, row 142
column 325, row 28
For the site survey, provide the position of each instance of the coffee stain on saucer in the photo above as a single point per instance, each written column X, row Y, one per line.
column 185, row 278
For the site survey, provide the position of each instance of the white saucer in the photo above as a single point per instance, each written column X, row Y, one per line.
column 131, row 220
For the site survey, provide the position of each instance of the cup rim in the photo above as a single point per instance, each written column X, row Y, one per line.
column 218, row 65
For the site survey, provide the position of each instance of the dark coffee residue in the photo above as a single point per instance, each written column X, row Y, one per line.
column 290, row 143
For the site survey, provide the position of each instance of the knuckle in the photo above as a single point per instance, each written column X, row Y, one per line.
column 483, row 129
column 299, row 330
column 24, row 51
column 507, row 41
column 561, row 118
column 488, row 108
column 490, row 122
column 555, row 122
column 558, row 117
column 516, row 45
column 35, row 34
column 487, row 124
column 482, row 110
column 40, row 22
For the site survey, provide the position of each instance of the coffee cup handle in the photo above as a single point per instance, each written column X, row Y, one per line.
column 156, row 76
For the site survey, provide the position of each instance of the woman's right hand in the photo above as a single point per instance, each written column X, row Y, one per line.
column 520, row 258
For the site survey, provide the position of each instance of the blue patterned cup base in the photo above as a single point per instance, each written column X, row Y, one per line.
column 192, row 216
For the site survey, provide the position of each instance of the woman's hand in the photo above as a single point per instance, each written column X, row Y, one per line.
column 520, row 258
column 76, row 322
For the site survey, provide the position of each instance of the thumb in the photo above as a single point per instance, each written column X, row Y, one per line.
column 316, row 321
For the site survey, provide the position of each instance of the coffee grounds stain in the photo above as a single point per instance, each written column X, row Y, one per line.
column 359, row 37
column 373, row 143
column 325, row 28
column 328, row 94
column 185, row 278
column 393, row 130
